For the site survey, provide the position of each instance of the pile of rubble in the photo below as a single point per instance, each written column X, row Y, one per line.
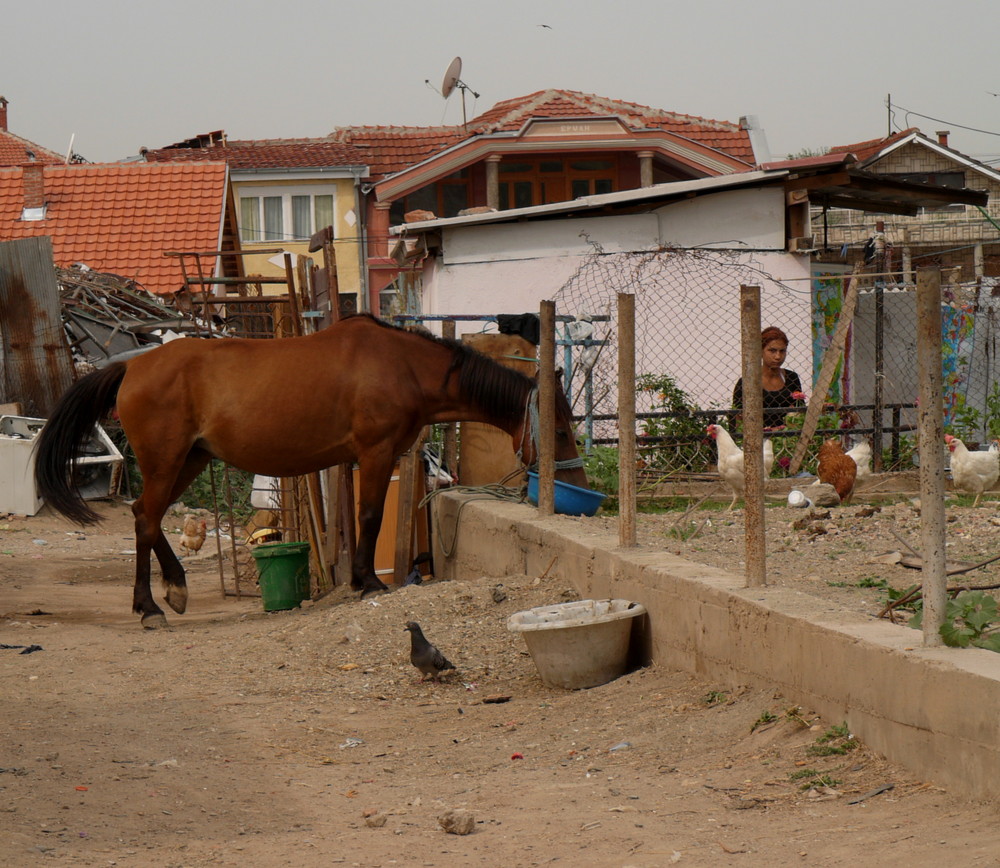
column 107, row 316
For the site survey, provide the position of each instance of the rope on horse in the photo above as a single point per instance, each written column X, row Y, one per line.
column 565, row 464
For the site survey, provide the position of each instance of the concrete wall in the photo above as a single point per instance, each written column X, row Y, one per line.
column 933, row 710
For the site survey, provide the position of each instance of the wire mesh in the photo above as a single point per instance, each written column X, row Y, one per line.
column 688, row 355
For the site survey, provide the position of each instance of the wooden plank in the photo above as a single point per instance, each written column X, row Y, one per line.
column 409, row 466
column 233, row 281
column 36, row 366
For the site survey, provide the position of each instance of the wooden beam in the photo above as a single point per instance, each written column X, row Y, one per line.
column 816, row 182
column 233, row 281
column 854, row 204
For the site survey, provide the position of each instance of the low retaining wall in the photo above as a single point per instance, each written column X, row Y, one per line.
column 935, row 711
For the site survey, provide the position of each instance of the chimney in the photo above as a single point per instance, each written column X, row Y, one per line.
column 3, row 114
column 34, row 185
column 943, row 137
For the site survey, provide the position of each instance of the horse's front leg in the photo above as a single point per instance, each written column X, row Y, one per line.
column 374, row 478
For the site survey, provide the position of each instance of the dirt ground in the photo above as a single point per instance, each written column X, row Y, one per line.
column 303, row 738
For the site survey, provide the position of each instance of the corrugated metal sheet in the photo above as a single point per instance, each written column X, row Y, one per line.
column 35, row 362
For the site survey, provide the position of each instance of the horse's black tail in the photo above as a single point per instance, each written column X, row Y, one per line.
column 66, row 432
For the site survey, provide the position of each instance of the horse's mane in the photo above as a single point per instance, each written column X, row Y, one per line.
column 482, row 381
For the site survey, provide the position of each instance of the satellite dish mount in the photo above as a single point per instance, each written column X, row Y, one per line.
column 452, row 79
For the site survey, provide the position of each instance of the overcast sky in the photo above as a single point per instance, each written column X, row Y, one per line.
column 121, row 75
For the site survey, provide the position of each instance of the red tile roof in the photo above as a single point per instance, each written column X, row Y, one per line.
column 511, row 115
column 263, row 153
column 15, row 151
column 387, row 150
column 868, row 149
column 393, row 149
column 122, row 217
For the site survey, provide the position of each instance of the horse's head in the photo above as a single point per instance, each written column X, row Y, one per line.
column 569, row 464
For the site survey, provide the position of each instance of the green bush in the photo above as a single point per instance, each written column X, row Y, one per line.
column 672, row 443
column 601, row 466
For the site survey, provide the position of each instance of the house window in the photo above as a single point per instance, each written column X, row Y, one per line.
column 267, row 214
column 444, row 199
column 542, row 180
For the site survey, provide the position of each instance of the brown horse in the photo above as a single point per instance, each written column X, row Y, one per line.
column 359, row 391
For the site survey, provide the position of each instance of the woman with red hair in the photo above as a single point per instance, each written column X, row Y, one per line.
column 782, row 388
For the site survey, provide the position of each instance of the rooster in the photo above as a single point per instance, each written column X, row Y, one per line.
column 862, row 455
column 193, row 534
column 972, row 471
column 731, row 460
column 837, row 468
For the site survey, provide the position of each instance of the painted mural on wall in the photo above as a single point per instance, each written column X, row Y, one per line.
column 828, row 288
column 958, row 329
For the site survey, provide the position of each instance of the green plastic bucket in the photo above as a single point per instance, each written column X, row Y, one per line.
column 283, row 569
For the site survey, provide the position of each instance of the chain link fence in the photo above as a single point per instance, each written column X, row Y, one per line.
column 688, row 355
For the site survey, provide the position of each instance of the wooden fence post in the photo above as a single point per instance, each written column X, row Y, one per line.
column 931, row 423
column 626, row 420
column 546, row 408
column 753, row 438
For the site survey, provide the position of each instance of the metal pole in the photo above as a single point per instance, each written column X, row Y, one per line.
column 450, row 446
column 626, row 420
column 930, row 416
column 546, row 408
column 753, row 438
column 568, row 365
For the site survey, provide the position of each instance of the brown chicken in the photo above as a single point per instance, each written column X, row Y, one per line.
column 193, row 535
column 836, row 468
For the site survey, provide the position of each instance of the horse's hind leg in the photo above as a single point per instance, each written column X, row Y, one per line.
column 149, row 537
column 150, row 615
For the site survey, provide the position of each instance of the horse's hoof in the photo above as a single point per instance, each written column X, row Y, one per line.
column 373, row 589
column 156, row 621
column 177, row 598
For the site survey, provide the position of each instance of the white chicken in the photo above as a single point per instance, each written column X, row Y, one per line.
column 731, row 460
column 972, row 471
column 862, row 455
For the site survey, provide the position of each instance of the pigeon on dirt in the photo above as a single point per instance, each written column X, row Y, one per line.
column 427, row 658
column 498, row 593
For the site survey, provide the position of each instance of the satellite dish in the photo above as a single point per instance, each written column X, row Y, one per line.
column 451, row 77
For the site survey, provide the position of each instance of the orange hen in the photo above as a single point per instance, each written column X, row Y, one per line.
column 193, row 535
column 836, row 468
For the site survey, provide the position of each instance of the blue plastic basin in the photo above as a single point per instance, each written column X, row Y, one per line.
column 570, row 499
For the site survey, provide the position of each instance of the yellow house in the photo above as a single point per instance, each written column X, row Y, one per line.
column 285, row 191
